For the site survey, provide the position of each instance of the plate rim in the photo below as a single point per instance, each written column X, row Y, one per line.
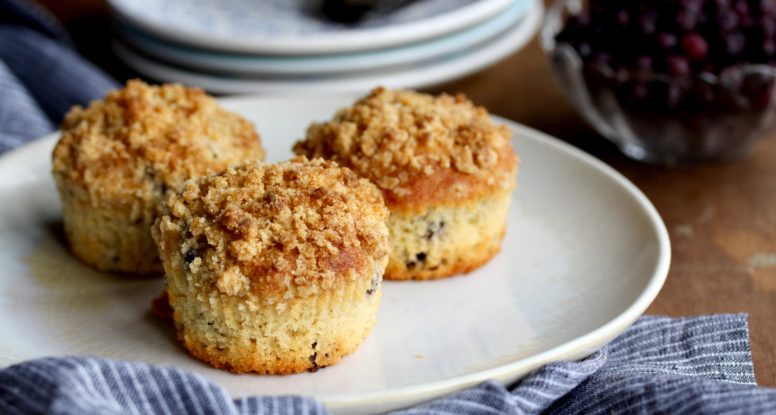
column 354, row 40
column 354, row 62
column 607, row 332
column 576, row 348
column 427, row 75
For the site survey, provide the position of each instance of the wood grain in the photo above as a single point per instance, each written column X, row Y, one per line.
column 721, row 217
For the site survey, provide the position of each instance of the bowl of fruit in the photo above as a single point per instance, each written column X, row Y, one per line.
column 668, row 81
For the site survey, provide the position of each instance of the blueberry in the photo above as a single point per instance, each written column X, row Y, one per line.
column 684, row 39
column 313, row 357
column 768, row 27
column 434, row 229
column 677, row 65
column 603, row 58
column 741, row 8
column 734, row 43
column 667, row 40
column 623, row 17
column 190, row 256
column 694, row 6
column 727, row 21
column 695, row 46
column 585, row 50
column 687, row 20
column 374, row 284
column 644, row 62
column 769, row 47
column 640, row 91
column 648, row 23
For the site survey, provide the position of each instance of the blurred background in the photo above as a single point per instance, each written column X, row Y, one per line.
column 519, row 86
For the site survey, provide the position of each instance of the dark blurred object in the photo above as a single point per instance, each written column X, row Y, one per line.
column 88, row 25
column 353, row 11
column 676, row 37
column 669, row 81
column 73, row 10
column 41, row 75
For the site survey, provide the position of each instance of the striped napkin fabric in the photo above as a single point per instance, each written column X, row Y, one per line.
column 41, row 74
column 699, row 365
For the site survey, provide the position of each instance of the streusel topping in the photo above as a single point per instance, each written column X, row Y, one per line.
column 292, row 228
column 394, row 138
column 143, row 139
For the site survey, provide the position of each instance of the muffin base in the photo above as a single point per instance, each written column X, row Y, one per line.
column 275, row 335
column 109, row 237
column 446, row 240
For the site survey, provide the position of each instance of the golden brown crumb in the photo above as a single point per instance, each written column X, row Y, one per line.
column 292, row 228
column 417, row 148
column 445, row 169
column 274, row 268
column 144, row 136
column 116, row 159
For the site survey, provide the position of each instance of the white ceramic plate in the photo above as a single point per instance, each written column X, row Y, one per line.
column 292, row 27
column 243, row 64
column 584, row 255
column 413, row 76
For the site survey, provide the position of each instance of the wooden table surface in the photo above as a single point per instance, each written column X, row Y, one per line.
column 721, row 217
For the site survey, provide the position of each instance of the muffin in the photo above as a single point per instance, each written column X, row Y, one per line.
column 116, row 159
column 445, row 169
column 274, row 268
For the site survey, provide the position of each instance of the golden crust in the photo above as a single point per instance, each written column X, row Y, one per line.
column 290, row 229
column 481, row 255
column 418, row 149
column 142, row 139
column 247, row 363
column 448, row 240
column 452, row 188
column 319, row 339
column 117, row 158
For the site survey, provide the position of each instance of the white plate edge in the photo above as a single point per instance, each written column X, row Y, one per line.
column 376, row 38
column 426, row 76
column 241, row 65
column 571, row 349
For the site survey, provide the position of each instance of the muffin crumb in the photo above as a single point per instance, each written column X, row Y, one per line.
column 117, row 158
column 395, row 138
column 282, row 256
column 445, row 168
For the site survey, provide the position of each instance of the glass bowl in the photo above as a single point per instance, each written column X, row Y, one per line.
column 657, row 118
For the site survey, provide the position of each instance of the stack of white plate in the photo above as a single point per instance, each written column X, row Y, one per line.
column 280, row 46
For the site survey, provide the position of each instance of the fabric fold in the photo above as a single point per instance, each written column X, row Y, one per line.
column 41, row 75
column 20, row 116
column 659, row 365
column 56, row 76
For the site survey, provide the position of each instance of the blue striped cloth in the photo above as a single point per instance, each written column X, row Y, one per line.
column 699, row 365
column 41, row 75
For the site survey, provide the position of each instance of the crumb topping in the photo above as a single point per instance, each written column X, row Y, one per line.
column 294, row 227
column 141, row 140
column 398, row 138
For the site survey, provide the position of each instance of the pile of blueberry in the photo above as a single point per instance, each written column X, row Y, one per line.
column 682, row 39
